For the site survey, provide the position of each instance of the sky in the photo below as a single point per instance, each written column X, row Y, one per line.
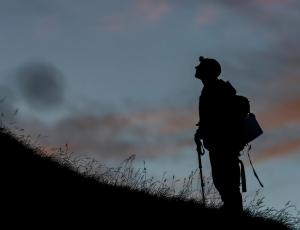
column 116, row 78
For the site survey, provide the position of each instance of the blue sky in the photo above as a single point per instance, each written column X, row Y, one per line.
column 117, row 78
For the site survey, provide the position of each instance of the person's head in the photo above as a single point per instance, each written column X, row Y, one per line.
column 208, row 69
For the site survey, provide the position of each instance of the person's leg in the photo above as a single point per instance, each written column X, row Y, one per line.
column 215, row 170
column 232, row 196
column 226, row 178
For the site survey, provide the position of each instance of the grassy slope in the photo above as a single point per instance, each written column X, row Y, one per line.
column 33, row 185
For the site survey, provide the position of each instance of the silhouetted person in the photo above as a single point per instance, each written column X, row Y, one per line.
column 218, row 128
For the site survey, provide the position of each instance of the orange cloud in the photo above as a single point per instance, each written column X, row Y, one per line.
column 147, row 133
column 279, row 150
column 281, row 114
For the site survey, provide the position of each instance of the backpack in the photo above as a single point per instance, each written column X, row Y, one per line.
column 240, row 107
column 249, row 128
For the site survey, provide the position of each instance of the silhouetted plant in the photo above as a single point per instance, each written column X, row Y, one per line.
column 127, row 175
column 257, row 208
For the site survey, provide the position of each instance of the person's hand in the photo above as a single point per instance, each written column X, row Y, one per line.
column 197, row 136
column 200, row 148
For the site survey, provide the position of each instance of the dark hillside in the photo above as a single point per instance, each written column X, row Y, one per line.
column 34, row 185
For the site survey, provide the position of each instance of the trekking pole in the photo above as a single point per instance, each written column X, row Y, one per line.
column 200, row 152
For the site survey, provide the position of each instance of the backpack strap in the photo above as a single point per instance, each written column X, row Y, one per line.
column 255, row 174
column 243, row 176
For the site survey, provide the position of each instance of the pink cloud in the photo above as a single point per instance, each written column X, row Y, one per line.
column 115, row 22
column 153, row 11
column 46, row 27
column 279, row 150
column 207, row 15
column 274, row 1
column 147, row 133
column 141, row 11
column 281, row 114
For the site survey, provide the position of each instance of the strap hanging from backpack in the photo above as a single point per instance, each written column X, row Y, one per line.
column 243, row 176
column 255, row 174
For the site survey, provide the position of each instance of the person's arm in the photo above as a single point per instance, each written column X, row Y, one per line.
column 198, row 135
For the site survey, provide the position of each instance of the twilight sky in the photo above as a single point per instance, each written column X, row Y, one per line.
column 115, row 78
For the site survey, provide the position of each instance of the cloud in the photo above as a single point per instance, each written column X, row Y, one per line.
column 140, row 11
column 281, row 114
column 283, row 105
column 146, row 133
column 46, row 26
column 281, row 149
column 207, row 15
column 8, row 102
column 280, row 118
column 153, row 11
column 274, row 2
column 41, row 85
